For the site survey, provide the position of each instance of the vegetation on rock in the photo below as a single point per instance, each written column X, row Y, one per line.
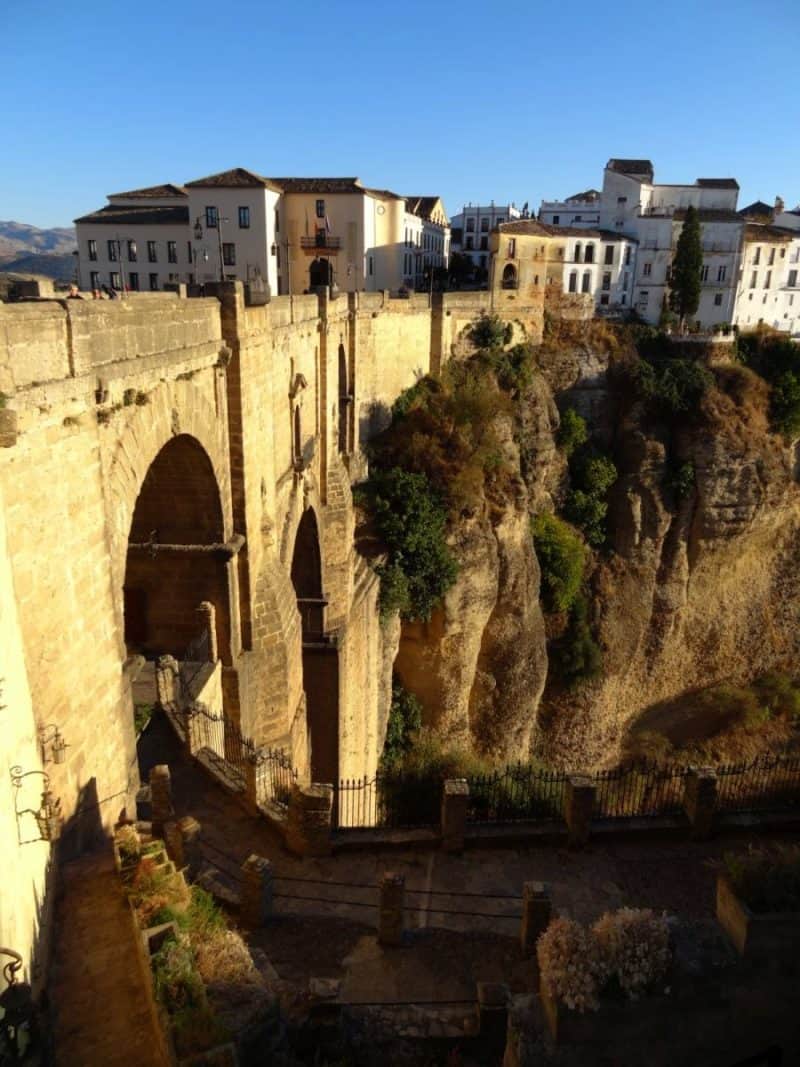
column 562, row 558
column 576, row 656
column 777, row 360
column 572, row 432
column 592, row 475
column 405, row 721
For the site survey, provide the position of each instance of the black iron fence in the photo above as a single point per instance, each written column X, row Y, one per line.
column 767, row 783
column 392, row 801
column 641, row 790
column 194, row 660
column 275, row 777
column 516, row 793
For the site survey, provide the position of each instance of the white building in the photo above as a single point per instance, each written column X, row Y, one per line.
column 470, row 230
column 582, row 209
column 293, row 233
column 768, row 289
column 601, row 263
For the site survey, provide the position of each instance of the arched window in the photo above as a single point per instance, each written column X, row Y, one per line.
column 589, row 254
column 509, row 276
column 578, row 247
column 586, row 285
column 573, row 281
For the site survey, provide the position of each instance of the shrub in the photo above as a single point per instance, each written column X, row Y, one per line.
column 586, row 505
column 405, row 720
column 577, row 656
column 634, row 944
column 513, row 368
column 784, row 407
column 779, row 693
column 489, row 331
column 561, row 556
column 142, row 714
column 128, row 843
column 777, row 360
column 570, row 964
column 177, row 981
column 572, row 432
column 680, row 479
column 766, row 879
column 672, row 387
column 412, row 522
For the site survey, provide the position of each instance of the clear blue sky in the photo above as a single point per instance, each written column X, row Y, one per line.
column 521, row 100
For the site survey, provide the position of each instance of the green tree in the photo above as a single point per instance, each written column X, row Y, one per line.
column 684, row 295
column 405, row 720
column 561, row 556
column 572, row 432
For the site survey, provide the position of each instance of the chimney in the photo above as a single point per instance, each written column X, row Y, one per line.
column 779, row 206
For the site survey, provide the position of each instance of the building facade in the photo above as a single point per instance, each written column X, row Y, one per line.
column 293, row 234
column 470, row 230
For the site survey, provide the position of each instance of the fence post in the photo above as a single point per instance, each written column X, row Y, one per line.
column 166, row 674
column 493, row 1011
column 208, row 613
column 537, row 909
column 578, row 808
column 251, row 762
column 255, row 902
column 455, row 798
column 189, row 829
column 174, row 843
column 308, row 831
column 390, row 911
column 160, row 798
column 193, row 739
column 700, row 801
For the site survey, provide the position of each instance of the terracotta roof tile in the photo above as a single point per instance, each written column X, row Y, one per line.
column 133, row 214
column 237, row 178
column 152, row 192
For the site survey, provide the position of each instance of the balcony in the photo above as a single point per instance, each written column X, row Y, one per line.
column 320, row 242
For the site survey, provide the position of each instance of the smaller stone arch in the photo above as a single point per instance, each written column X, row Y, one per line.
column 509, row 276
column 586, row 284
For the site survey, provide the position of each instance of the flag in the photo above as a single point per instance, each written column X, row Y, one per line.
column 327, row 224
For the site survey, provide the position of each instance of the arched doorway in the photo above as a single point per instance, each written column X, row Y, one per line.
column 170, row 566
column 509, row 276
column 320, row 273
column 320, row 655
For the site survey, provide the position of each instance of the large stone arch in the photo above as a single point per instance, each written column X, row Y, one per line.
column 141, row 432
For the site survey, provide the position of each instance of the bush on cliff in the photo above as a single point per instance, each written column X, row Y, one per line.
column 412, row 522
column 576, row 656
column 672, row 387
column 561, row 556
column 405, row 720
column 572, row 432
column 586, row 506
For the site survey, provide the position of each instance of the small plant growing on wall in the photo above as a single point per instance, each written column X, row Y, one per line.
column 141, row 398
column 129, row 397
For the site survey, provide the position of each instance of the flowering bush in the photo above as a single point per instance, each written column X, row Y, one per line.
column 634, row 945
column 570, row 964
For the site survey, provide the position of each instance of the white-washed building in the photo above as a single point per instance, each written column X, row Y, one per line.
column 471, row 227
column 600, row 263
column 582, row 209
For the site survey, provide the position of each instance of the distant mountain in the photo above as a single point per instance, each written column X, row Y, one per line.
column 18, row 238
column 61, row 268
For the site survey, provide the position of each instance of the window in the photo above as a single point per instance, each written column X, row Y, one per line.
column 754, row 279
column 604, row 299
column 370, row 265
column 627, row 255
column 646, row 269
column 320, row 209
column 244, row 218
column 578, row 218
column 644, row 296
column 606, row 281
column 92, row 253
column 768, row 279
column 792, row 279
column 588, row 256
column 153, row 282
column 625, row 280
column 151, row 252
column 586, row 284
column 189, row 256
column 277, row 221
column 556, row 219
column 483, row 262
column 131, row 251
column 470, row 244
column 512, row 248
column 609, row 259
column 578, row 247
column 112, row 251
column 212, row 218
column 500, row 219
column 704, row 273
column 470, row 225
column 115, row 280
column 771, row 256
column 94, row 280
column 484, row 243
column 757, row 256
column 484, row 225
column 133, row 281
column 717, row 300
column 721, row 273
column 172, row 251
column 573, row 282
column 622, row 200
column 229, row 254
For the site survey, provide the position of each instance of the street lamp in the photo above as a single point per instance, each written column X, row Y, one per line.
column 198, row 236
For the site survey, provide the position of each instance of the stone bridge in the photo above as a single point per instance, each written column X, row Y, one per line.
column 163, row 451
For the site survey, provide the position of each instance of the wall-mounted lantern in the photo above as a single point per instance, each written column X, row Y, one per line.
column 47, row 815
column 58, row 746
column 16, row 1003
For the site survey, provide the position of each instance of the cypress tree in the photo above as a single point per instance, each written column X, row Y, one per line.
column 684, row 296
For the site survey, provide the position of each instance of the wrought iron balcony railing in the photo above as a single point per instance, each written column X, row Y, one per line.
column 321, row 242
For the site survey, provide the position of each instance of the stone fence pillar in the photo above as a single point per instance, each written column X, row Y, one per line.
column 700, row 801
column 251, row 782
column 493, row 1000
column 166, row 680
column 255, row 907
column 579, row 806
column 160, row 798
column 390, row 913
column 308, row 832
column 455, row 798
column 537, row 910
column 208, row 616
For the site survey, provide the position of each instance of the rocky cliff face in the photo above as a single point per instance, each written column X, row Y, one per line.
column 698, row 590
column 692, row 590
column 479, row 666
